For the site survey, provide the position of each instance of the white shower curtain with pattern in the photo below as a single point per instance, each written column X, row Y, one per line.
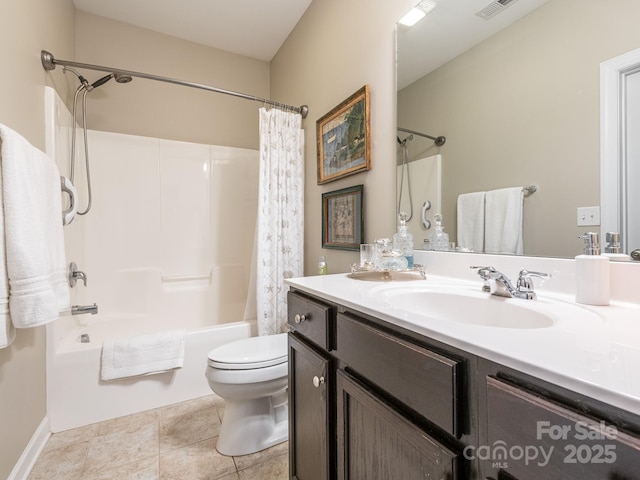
column 280, row 225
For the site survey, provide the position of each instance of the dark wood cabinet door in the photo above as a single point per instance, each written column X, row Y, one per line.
column 531, row 437
column 309, row 412
column 376, row 442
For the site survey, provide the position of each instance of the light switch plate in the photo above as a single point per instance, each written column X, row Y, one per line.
column 588, row 216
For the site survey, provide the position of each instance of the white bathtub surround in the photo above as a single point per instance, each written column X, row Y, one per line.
column 148, row 354
column 32, row 242
column 164, row 247
column 280, row 215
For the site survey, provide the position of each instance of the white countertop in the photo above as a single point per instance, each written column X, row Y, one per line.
column 597, row 354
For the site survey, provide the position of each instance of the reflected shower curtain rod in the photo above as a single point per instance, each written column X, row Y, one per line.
column 439, row 141
column 49, row 63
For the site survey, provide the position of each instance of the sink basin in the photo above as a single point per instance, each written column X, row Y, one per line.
column 469, row 307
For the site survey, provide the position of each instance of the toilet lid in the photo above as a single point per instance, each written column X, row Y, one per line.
column 248, row 353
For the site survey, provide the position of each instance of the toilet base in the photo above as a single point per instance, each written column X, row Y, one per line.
column 249, row 426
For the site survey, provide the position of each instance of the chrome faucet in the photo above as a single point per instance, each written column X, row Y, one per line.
column 497, row 283
column 75, row 275
column 82, row 309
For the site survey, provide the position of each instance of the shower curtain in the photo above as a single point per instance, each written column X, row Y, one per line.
column 280, row 224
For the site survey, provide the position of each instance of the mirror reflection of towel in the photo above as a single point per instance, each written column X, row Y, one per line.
column 503, row 221
column 471, row 221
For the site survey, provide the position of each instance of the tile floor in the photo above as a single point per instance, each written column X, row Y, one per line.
column 174, row 442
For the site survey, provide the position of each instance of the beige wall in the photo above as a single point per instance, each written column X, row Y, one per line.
column 522, row 108
column 335, row 49
column 26, row 27
column 157, row 109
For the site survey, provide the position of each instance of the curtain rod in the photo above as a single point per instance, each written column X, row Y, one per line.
column 439, row 141
column 49, row 63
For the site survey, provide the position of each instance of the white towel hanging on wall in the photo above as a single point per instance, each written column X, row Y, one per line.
column 33, row 276
column 503, row 221
column 471, row 221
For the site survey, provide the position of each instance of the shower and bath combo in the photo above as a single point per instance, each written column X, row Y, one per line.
column 122, row 76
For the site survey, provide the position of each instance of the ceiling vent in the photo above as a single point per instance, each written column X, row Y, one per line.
column 494, row 8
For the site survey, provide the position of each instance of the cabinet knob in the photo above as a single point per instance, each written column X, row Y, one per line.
column 317, row 381
column 299, row 318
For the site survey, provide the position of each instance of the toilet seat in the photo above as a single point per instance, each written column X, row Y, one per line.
column 250, row 353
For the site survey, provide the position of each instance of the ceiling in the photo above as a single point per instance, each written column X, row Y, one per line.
column 254, row 28
column 258, row 28
column 451, row 28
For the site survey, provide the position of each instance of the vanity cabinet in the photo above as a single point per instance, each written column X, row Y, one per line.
column 372, row 400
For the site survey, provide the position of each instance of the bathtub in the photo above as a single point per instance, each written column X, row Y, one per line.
column 75, row 394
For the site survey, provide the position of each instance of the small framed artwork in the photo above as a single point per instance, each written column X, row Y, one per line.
column 342, row 218
column 344, row 143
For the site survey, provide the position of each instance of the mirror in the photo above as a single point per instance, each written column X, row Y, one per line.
column 518, row 101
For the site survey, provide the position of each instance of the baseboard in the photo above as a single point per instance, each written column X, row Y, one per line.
column 30, row 454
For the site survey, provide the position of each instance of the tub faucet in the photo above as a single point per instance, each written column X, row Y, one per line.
column 497, row 283
column 75, row 274
column 82, row 309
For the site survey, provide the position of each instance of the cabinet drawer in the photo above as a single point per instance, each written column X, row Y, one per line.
column 310, row 318
column 423, row 380
column 531, row 437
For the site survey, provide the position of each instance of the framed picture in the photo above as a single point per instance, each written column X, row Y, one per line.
column 342, row 218
column 344, row 142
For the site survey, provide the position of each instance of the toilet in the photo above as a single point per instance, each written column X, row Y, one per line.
column 250, row 375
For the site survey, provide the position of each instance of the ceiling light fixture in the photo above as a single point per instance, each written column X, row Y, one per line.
column 417, row 13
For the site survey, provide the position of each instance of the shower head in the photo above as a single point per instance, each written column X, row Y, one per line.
column 122, row 78
column 101, row 81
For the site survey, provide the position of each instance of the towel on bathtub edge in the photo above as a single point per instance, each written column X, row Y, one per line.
column 142, row 355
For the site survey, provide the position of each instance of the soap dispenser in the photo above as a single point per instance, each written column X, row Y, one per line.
column 592, row 273
column 439, row 240
column 403, row 240
column 613, row 250
column 322, row 265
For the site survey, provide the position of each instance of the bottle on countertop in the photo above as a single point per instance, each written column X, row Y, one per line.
column 403, row 240
column 386, row 258
column 322, row 266
column 613, row 250
column 592, row 273
column 439, row 240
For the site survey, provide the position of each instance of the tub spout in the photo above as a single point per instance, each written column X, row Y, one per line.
column 82, row 309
